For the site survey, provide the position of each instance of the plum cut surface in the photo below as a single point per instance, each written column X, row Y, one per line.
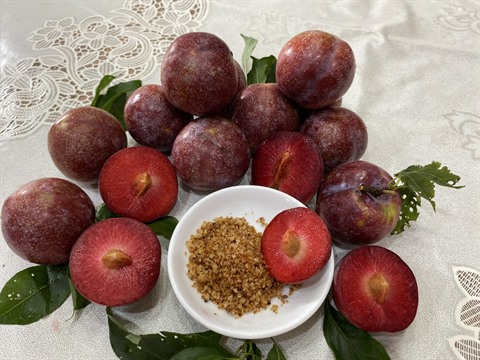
column 295, row 245
column 116, row 262
column 375, row 290
column 139, row 182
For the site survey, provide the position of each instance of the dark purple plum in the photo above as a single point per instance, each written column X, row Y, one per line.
column 211, row 153
column 42, row 219
column 340, row 134
column 82, row 140
column 199, row 74
column 150, row 118
column 315, row 68
column 357, row 204
column 260, row 110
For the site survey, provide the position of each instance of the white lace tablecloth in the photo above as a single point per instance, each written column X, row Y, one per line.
column 417, row 87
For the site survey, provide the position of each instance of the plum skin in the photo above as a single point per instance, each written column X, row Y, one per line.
column 315, row 68
column 340, row 134
column 42, row 219
column 82, row 140
column 211, row 153
column 261, row 110
column 354, row 216
column 151, row 120
column 199, row 74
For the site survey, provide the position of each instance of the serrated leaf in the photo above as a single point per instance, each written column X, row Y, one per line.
column 422, row 179
column 348, row 342
column 408, row 211
column 164, row 226
column 160, row 346
column 275, row 353
column 33, row 293
column 250, row 44
column 263, row 70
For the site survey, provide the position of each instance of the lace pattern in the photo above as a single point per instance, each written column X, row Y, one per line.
column 129, row 44
column 467, row 314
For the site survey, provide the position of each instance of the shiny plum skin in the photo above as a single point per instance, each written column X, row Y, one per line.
column 315, row 68
column 82, row 140
column 42, row 219
column 260, row 110
column 340, row 134
column 199, row 74
column 151, row 120
column 211, row 153
column 355, row 216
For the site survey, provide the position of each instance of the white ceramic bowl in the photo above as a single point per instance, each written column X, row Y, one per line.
column 251, row 202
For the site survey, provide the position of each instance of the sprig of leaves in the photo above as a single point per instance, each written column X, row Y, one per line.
column 163, row 226
column 175, row 346
column 417, row 182
column 347, row 341
column 113, row 98
column 261, row 70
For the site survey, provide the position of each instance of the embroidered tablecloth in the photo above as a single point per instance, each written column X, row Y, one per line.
column 417, row 88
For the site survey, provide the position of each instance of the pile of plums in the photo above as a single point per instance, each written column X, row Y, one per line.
column 205, row 125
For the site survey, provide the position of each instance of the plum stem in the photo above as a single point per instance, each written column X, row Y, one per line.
column 376, row 191
column 142, row 183
column 116, row 259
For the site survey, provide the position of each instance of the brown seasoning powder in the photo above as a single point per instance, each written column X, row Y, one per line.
column 227, row 268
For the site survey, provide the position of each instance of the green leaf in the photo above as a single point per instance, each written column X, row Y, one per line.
column 103, row 212
column 33, row 293
column 249, row 351
column 160, row 346
column 199, row 353
column 79, row 301
column 164, row 226
column 115, row 97
column 409, row 210
column 275, row 353
column 422, row 179
column 102, row 85
column 250, row 44
column 348, row 342
column 263, row 70
column 417, row 182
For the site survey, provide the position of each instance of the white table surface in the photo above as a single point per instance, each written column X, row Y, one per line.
column 417, row 88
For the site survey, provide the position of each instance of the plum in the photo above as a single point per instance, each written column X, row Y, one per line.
column 211, row 153
column 42, row 219
column 356, row 203
column 260, row 110
column 151, row 120
column 315, row 68
column 82, row 140
column 199, row 74
column 139, row 182
column 340, row 134
column 290, row 162
column 295, row 245
column 115, row 262
column 375, row 290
